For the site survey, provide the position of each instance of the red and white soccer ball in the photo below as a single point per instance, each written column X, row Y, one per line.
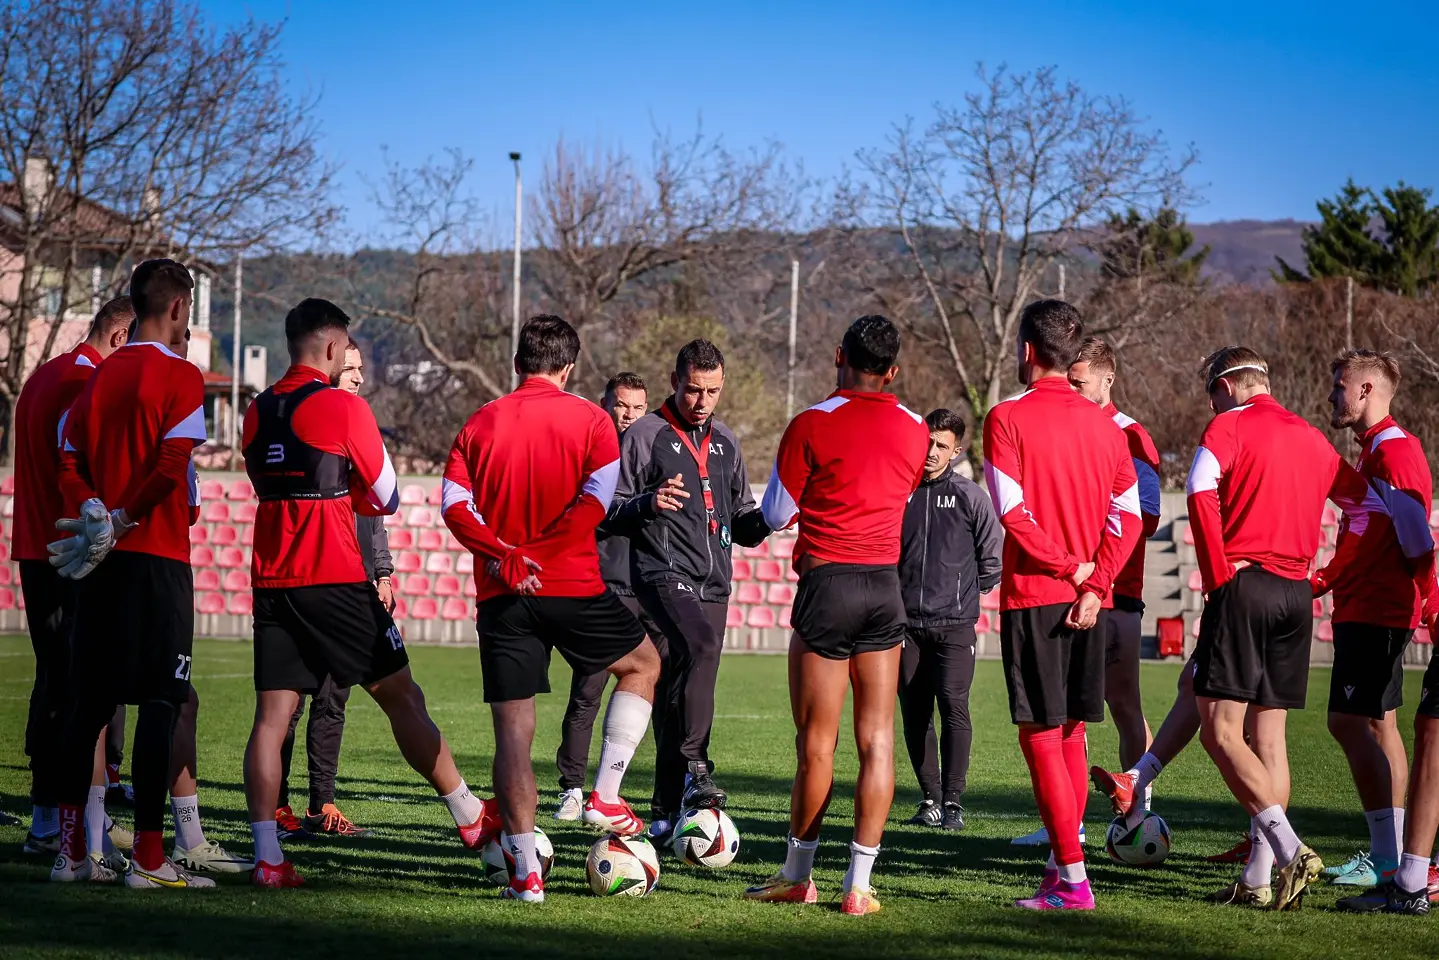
column 622, row 866
column 500, row 862
column 705, row 838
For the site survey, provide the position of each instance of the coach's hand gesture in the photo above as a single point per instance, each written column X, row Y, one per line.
column 672, row 494
column 1085, row 612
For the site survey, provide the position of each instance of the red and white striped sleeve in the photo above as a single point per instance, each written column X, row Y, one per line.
column 1212, row 460
column 374, row 489
column 780, row 504
column 597, row 491
column 1402, row 480
column 1123, row 524
column 457, row 507
column 1005, row 476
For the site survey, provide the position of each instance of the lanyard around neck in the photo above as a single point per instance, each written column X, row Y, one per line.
column 701, row 456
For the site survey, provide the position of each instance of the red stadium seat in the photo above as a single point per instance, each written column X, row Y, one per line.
column 247, row 534
column 455, row 609
column 425, row 609
column 231, row 558
column 734, row 616
column 6, row 576
column 440, row 563
column 452, row 543
column 207, row 580
column 202, row 557
column 782, row 547
column 400, row 538
column 1325, row 631
column 983, row 624
column 989, row 601
column 211, row 490
column 412, row 495
column 742, row 570
column 4, row 550
column 215, row 511
column 225, row 536
column 240, row 490
column 784, row 613
column 1421, row 635
column 1196, row 581
column 447, row 586
column 1189, row 534
column 209, row 603
column 402, row 609
column 408, row 562
column 749, row 593
column 199, row 535
column 429, row 541
column 761, row 618
column 1171, row 636
column 436, row 496
column 1331, row 516
column 242, row 604
column 416, row 585
column 780, row 594
column 790, row 574
column 243, row 513
column 769, row 571
column 420, row 517
column 1318, row 608
column 237, row 580
column 760, row 551
column 7, row 597
column 465, row 562
column 7, row 485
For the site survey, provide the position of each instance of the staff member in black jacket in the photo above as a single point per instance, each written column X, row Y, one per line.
column 683, row 500
column 327, row 706
column 949, row 555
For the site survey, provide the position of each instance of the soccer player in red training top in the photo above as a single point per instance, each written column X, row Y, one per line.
column 49, row 597
column 125, row 463
column 1256, row 496
column 1063, row 484
column 315, row 456
column 845, row 469
column 529, row 478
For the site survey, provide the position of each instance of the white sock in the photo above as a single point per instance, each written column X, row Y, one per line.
column 1148, row 797
column 1073, row 872
column 1147, row 770
column 626, row 719
column 799, row 859
column 267, row 843
column 464, row 806
column 1413, row 874
column 186, row 813
column 95, row 819
column 1385, row 843
column 1261, row 858
column 522, row 848
column 1281, row 836
column 45, row 821
column 861, row 862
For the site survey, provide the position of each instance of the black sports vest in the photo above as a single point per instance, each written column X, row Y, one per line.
column 282, row 466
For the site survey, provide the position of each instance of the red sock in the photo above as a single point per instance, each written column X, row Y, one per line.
column 1076, row 762
column 150, row 849
column 1044, row 753
column 72, row 831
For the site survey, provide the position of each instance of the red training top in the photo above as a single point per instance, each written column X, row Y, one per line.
column 1257, row 489
column 45, row 398
column 1383, row 570
column 1064, row 487
column 305, row 543
column 128, row 440
column 1130, row 582
column 846, row 468
column 534, row 470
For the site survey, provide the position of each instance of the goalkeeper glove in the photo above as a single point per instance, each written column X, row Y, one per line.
column 94, row 537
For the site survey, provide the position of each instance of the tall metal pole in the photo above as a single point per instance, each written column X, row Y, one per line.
column 793, row 322
column 235, row 371
column 1061, row 281
column 515, row 319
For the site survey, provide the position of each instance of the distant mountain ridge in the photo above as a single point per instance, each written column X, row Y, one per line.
column 1243, row 251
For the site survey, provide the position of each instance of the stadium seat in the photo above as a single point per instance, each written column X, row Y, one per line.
column 1325, row 632
column 231, row 558
column 440, row 563
column 424, row 609
column 790, row 574
column 989, row 601
column 1318, row 608
column 210, row 603
column 1421, row 635
column 225, row 536
column 9, row 509
column 452, row 544
column 7, row 598
column 742, row 570
column 470, row 588
column 1331, row 516
column 447, row 586
column 769, row 571
column 416, row 585
column 784, row 613
column 243, row 513
column 407, row 561
column 749, row 593
column 207, row 580
column 760, row 551
column 211, row 490
column 202, row 557
column 420, row 517
column 215, row 511
column 1196, row 581
column 7, row 485
column 1194, row 628
column 237, row 580
column 429, row 541
column 242, row 604
column 199, row 535
column 402, row 609
column 983, row 625
column 412, row 495
column 734, row 616
column 240, row 490
column 455, row 609
column 761, row 618
column 247, row 534
column 6, row 576
column 436, row 496
column 780, row 594
column 4, row 550
column 782, row 547
column 400, row 538
column 465, row 562
column 1171, row 636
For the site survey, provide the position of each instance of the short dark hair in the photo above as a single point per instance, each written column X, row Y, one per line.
column 699, row 355
column 311, row 316
column 871, row 344
column 119, row 312
column 156, row 284
column 1054, row 329
column 625, row 379
column 547, row 345
column 1097, row 352
column 943, row 419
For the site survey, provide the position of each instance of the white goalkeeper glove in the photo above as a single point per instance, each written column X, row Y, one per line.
column 94, row 536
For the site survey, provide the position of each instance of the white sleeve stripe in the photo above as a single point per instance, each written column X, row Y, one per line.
column 1389, row 433
column 1204, row 473
column 1149, row 496
column 1122, row 503
column 1411, row 520
column 1004, row 490
column 60, row 430
column 777, row 506
column 191, row 428
column 84, row 361
column 452, row 493
column 602, row 483
column 385, row 492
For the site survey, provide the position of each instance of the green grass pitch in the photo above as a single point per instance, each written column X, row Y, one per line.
column 411, row 890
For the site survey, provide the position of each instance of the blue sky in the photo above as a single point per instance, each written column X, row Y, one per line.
column 1283, row 99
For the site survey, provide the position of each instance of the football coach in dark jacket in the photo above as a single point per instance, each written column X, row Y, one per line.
column 949, row 555
column 683, row 499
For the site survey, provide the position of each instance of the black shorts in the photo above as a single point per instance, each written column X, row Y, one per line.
column 1429, row 691
column 1368, row 675
column 1053, row 674
column 50, row 612
column 1123, row 634
column 517, row 634
column 1254, row 639
column 843, row 609
column 337, row 630
column 134, row 630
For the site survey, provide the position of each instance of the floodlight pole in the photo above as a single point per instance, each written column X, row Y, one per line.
column 515, row 317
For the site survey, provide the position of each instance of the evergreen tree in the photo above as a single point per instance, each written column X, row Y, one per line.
column 1411, row 231
column 1388, row 242
column 1138, row 247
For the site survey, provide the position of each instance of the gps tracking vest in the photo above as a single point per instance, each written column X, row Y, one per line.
column 281, row 465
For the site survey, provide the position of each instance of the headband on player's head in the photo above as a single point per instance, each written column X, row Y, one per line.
column 1243, row 366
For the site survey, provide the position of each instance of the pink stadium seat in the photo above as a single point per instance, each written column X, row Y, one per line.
column 247, row 534
column 749, row 593
column 7, row 485
column 452, row 544
column 237, row 580
column 790, row 574
column 402, row 609
column 6, row 577
column 983, row 624
column 784, row 613
column 440, row 563
column 1421, row 635
column 1325, row 632
column 760, row 551
column 7, row 596
column 1196, row 581
column 225, row 535
column 416, row 585
column 207, row 580
column 429, row 541
column 407, row 561
column 465, row 563
column 211, row 490
column 455, row 609
column 436, row 496
column 215, row 511
column 202, row 557
column 412, row 495
column 447, row 586
column 1189, row 534
column 240, row 490
column 1318, row 608
column 761, row 618
column 1331, row 516
column 420, row 517
column 989, row 601
column 9, row 509
column 782, row 547
column 769, row 571
column 4, row 550
column 199, row 535
column 231, row 558
column 425, row 609
column 780, row 594
column 243, row 513
column 734, row 616
column 210, row 603
column 242, row 604
column 742, row 570
column 400, row 538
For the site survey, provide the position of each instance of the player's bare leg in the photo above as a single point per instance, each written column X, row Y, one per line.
column 1380, row 769
column 875, row 678
column 1121, row 695
column 192, row 850
column 1422, row 820
column 626, row 718
column 1180, row 727
column 515, row 790
column 263, row 770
